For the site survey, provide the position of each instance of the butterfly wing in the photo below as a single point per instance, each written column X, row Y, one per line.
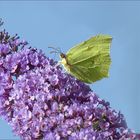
column 90, row 60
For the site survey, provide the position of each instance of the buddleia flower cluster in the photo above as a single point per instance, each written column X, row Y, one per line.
column 42, row 102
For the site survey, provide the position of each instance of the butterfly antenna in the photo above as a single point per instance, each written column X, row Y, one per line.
column 55, row 50
column 1, row 22
column 60, row 51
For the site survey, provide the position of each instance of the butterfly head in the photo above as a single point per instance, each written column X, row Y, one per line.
column 62, row 55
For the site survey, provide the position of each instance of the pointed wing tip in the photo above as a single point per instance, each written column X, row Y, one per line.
column 104, row 35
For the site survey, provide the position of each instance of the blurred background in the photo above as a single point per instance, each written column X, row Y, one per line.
column 64, row 24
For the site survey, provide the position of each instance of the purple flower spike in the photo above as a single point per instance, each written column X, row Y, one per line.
column 41, row 101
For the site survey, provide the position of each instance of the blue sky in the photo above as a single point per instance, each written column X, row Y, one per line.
column 64, row 24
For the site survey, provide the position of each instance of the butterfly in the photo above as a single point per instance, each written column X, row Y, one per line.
column 90, row 60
